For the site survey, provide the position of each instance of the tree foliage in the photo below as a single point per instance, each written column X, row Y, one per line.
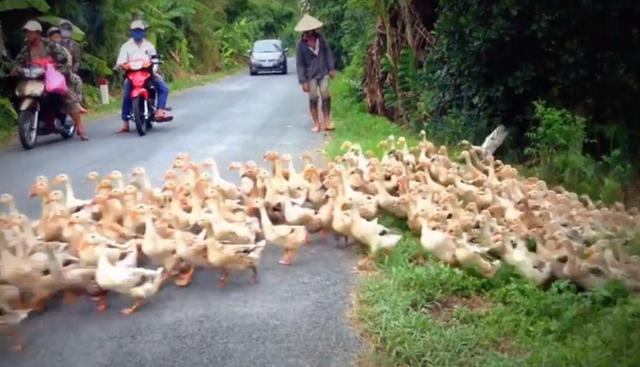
column 459, row 68
column 191, row 36
column 498, row 57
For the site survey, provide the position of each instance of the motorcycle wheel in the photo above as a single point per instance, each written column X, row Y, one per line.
column 67, row 131
column 138, row 115
column 27, row 129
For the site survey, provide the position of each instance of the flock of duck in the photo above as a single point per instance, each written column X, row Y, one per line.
column 132, row 237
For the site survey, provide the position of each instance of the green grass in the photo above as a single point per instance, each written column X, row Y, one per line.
column 355, row 125
column 415, row 311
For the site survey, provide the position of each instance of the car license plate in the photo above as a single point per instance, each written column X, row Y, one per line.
column 267, row 64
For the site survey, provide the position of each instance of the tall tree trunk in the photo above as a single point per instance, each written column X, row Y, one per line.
column 373, row 78
column 3, row 49
column 401, row 24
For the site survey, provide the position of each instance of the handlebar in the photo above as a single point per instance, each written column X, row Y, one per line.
column 145, row 63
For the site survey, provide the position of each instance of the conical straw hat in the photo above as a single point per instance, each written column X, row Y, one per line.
column 308, row 23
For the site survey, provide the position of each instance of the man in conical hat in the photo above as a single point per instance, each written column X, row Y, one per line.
column 315, row 64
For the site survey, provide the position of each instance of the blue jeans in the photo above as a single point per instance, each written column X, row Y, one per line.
column 161, row 88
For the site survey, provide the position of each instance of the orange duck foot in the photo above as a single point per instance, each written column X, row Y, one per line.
column 222, row 281
column 38, row 305
column 185, row 279
column 69, row 298
column 17, row 347
column 102, row 305
column 132, row 309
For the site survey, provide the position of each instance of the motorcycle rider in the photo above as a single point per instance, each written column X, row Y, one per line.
column 54, row 34
column 135, row 49
column 39, row 48
column 70, row 45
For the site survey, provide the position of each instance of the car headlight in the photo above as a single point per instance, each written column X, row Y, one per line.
column 281, row 58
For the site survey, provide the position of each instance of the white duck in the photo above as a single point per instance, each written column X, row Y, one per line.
column 138, row 283
column 288, row 237
column 438, row 243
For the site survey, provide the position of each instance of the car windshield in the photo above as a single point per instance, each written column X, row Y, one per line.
column 266, row 47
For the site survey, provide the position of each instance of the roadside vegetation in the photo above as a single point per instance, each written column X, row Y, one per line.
column 459, row 69
column 414, row 311
column 196, row 39
column 565, row 90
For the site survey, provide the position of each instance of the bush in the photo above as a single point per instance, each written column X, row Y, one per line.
column 8, row 118
column 557, row 153
column 457, row 125
column 558, row 133
column 498, row 57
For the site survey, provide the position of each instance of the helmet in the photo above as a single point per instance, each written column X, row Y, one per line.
column 138, row 24
column 52, row 31
column 33, row 26
column 66, row 25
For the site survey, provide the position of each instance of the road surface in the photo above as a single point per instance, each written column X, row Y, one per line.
column 295, row 316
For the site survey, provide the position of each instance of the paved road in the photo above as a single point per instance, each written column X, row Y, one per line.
column 295, row 316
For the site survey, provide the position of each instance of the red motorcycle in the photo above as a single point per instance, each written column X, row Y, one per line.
column 40, row 112
column 143, row 94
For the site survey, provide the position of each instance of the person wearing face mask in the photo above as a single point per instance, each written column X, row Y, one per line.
column 66, row 30
column 38, row 48
column 54, row 34
column 135, row 49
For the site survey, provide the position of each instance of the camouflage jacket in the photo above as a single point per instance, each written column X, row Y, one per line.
column 76, row 53
column 57, row 52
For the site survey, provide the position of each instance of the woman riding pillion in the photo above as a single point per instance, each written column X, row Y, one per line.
column 315, row 64
column 55, row 34
column 136, row 49
column 39, row 48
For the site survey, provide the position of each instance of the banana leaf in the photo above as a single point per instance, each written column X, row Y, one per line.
column 40, row 5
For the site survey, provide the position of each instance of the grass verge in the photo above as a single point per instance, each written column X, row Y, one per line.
column 415, row 311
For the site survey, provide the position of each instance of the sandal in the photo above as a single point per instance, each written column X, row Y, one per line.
column 315, row 129
column 122, row 130
column 329, row 127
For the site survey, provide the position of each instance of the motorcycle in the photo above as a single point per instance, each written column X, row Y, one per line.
column 39, row 112
column 143, row 94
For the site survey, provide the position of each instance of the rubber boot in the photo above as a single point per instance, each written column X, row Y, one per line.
column 313, row 107
column 326, row 111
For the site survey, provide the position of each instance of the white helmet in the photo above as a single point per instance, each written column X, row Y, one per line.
column 138, row 24
column 33, row 26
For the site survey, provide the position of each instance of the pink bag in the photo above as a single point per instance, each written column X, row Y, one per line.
column 54, row 81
